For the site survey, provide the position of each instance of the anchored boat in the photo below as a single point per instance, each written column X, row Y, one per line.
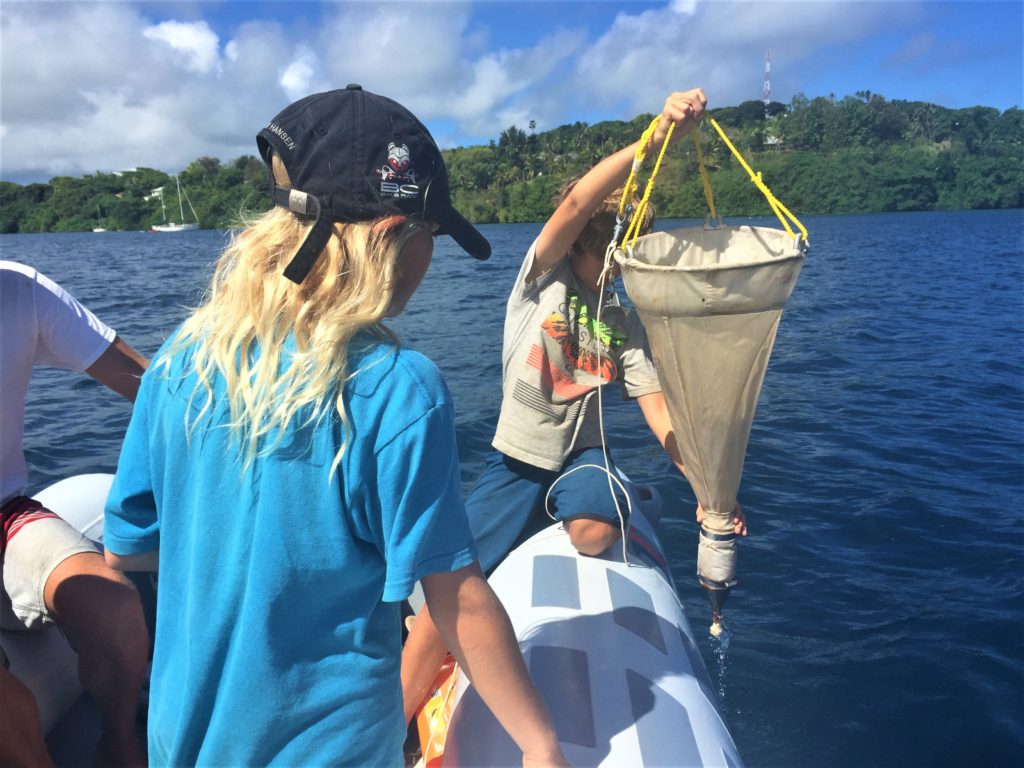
column 172, row 226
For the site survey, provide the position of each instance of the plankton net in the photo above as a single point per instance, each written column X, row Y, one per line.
column 711, row 299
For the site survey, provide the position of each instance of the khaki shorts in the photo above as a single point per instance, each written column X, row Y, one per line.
column 28, row 560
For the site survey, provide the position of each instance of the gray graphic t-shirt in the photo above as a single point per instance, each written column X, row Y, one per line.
column 554, row 356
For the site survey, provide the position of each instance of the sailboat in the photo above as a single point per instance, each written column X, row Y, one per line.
column 99, row 221
column 171, row 226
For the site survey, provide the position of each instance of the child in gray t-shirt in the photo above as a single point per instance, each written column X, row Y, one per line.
column 556, row 354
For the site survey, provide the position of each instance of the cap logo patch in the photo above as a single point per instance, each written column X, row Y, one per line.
column 282, row 134
column 398, row 159
column 397, row 177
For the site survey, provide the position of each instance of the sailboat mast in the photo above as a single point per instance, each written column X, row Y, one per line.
column 181, row 210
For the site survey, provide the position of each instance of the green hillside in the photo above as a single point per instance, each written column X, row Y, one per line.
column 858, row 154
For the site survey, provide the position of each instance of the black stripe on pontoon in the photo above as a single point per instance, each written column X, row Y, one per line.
column 633, row 609
column 556, row 582
column 662, row 724
column 569, row 701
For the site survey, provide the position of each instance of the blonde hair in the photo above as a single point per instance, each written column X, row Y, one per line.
column 252, row 307
column 598, row 233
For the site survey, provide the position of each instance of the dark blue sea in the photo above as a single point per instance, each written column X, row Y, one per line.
column 880, row 619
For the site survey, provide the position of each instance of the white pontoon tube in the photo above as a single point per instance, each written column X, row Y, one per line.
column 611, row 651
column 710, row 299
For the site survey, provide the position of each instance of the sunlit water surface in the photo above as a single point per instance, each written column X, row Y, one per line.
column 879, row 620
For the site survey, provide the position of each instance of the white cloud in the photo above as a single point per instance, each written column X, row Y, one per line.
column 297, row 77
column 102, row 88
column 719, row 46
column 48, row 60
column 683, row 6
column 113, row 85
column 501, row 89
column 410, row 51
column 195, row 42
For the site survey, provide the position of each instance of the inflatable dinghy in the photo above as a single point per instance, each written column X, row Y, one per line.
column 609, row 647
column 607, row 642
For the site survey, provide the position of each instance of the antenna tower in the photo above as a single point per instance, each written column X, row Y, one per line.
column 767, row 95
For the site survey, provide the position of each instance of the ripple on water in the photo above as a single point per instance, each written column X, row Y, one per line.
column 878, row 617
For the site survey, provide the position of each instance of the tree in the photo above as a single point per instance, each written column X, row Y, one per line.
column 859, row 153
column 473, row 168
column 14, row 206
column 512, row 156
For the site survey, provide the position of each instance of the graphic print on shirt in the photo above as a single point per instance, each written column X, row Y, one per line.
column 575, row 348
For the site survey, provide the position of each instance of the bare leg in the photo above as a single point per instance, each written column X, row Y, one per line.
column 99, row 609
column 422, row 657
column 591, row 537
column 21, row 737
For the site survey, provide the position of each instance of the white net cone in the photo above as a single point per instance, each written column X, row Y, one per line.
column 711, row 300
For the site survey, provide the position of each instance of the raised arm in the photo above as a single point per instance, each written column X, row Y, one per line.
column 685, row 109
column 120, row 368
column 476, row 628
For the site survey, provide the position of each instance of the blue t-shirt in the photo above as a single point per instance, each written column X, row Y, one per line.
column 278, row 635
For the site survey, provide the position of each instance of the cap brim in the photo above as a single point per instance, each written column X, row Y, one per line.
column 450, row 222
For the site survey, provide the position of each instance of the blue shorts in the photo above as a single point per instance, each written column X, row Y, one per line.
column 506, row 506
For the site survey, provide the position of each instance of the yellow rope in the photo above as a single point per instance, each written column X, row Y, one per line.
column 777, row 208
column 629, row 190
column 633, row 231
column 631, row 185
column 708, row 194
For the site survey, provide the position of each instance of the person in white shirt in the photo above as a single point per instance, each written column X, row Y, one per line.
column 51, row 573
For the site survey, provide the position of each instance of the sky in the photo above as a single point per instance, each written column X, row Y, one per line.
column 90, row 87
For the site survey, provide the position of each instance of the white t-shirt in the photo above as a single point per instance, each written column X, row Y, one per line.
column 40, row 324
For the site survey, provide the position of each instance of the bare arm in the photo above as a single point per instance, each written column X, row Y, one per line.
column 147, row 561
column 685, row 109
column 475, row 626
column 120, row 368
column 422, row 655
column 655, row 411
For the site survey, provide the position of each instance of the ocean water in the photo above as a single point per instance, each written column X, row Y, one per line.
column 880, row 617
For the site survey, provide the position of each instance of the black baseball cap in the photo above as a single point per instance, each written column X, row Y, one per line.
column 354, row 156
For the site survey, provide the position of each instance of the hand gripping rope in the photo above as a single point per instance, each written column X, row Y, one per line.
column 633, row 231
